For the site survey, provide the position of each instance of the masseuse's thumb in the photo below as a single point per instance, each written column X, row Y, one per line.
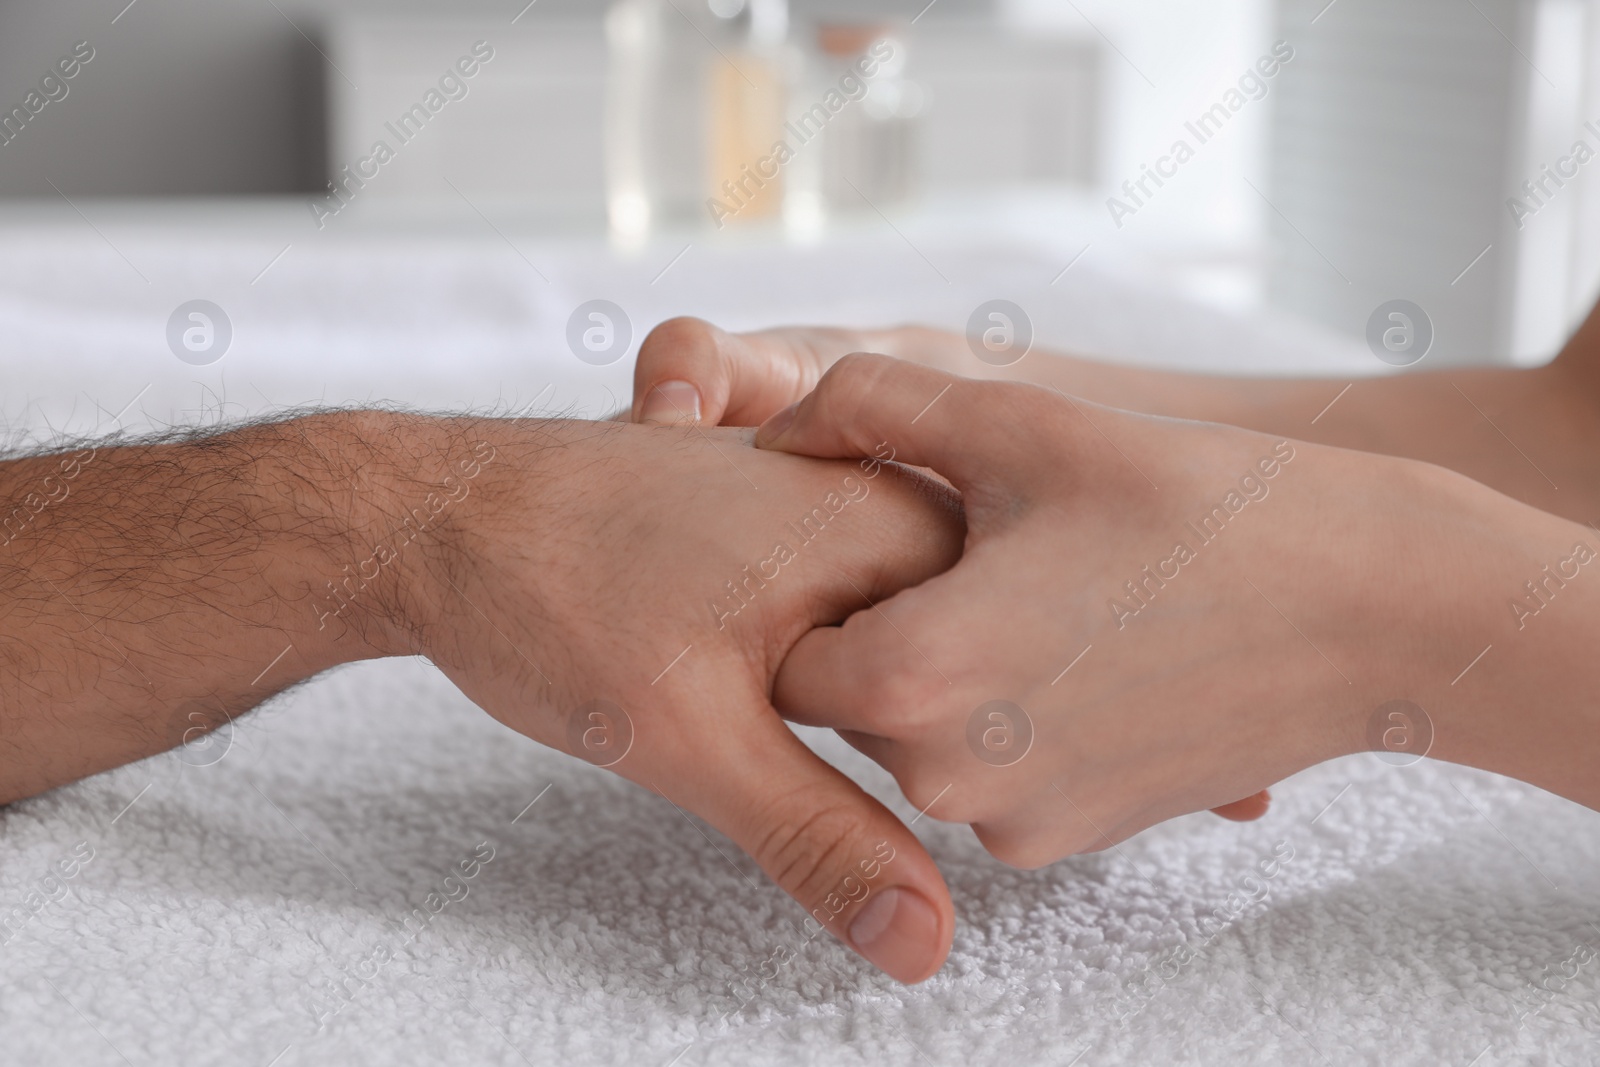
column 854, row 867
column 691, row 371
column 868, row 405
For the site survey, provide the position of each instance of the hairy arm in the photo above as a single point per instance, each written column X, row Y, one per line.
column 151, row 591
column 598, row 588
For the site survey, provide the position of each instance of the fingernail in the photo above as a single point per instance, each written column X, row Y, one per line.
column 898, row 932
column 671, row 403
column 773, row 428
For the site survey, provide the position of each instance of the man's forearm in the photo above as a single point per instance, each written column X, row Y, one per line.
column 152, row 591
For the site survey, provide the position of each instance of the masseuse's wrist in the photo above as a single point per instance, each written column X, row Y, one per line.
column 1527, row 708
column 1483, row 683
column 1385, row 570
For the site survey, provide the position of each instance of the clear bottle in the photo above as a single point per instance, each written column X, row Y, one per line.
column 857, row 120
column 695, row 96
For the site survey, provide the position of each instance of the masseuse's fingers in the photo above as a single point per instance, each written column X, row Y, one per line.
column 965, row 431
column 858, row 675
column 962, row 429
column 691, row 371
column 853, row 866
column 835, row 677
column 844, row 677
column 1248, row 809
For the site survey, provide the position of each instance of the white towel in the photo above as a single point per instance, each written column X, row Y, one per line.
column 1412, row 915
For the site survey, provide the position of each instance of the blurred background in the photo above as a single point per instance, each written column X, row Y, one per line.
column 491, row 203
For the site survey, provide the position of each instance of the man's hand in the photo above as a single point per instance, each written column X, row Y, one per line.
column 666, row 573
column 622, row 593
column 1153, row 617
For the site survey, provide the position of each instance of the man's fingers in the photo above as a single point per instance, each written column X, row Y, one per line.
column 853, row 866
column 691, row 371
column 867, row 405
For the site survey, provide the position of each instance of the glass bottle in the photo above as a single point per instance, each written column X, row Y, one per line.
column 856, row 120
column 695, row 97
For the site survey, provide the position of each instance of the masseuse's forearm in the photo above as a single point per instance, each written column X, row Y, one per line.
column 1491, row 617
column 1533, row 434
column 152, row 591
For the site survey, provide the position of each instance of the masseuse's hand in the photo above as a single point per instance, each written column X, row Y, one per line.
column 666, row 572
column 1183, row 612
column 691, row 371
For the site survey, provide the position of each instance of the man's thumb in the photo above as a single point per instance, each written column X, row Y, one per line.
column 853, row 866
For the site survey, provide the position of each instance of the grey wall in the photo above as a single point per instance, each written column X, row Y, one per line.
column 219, row 97
column 1394, row 132
column 181, row 97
